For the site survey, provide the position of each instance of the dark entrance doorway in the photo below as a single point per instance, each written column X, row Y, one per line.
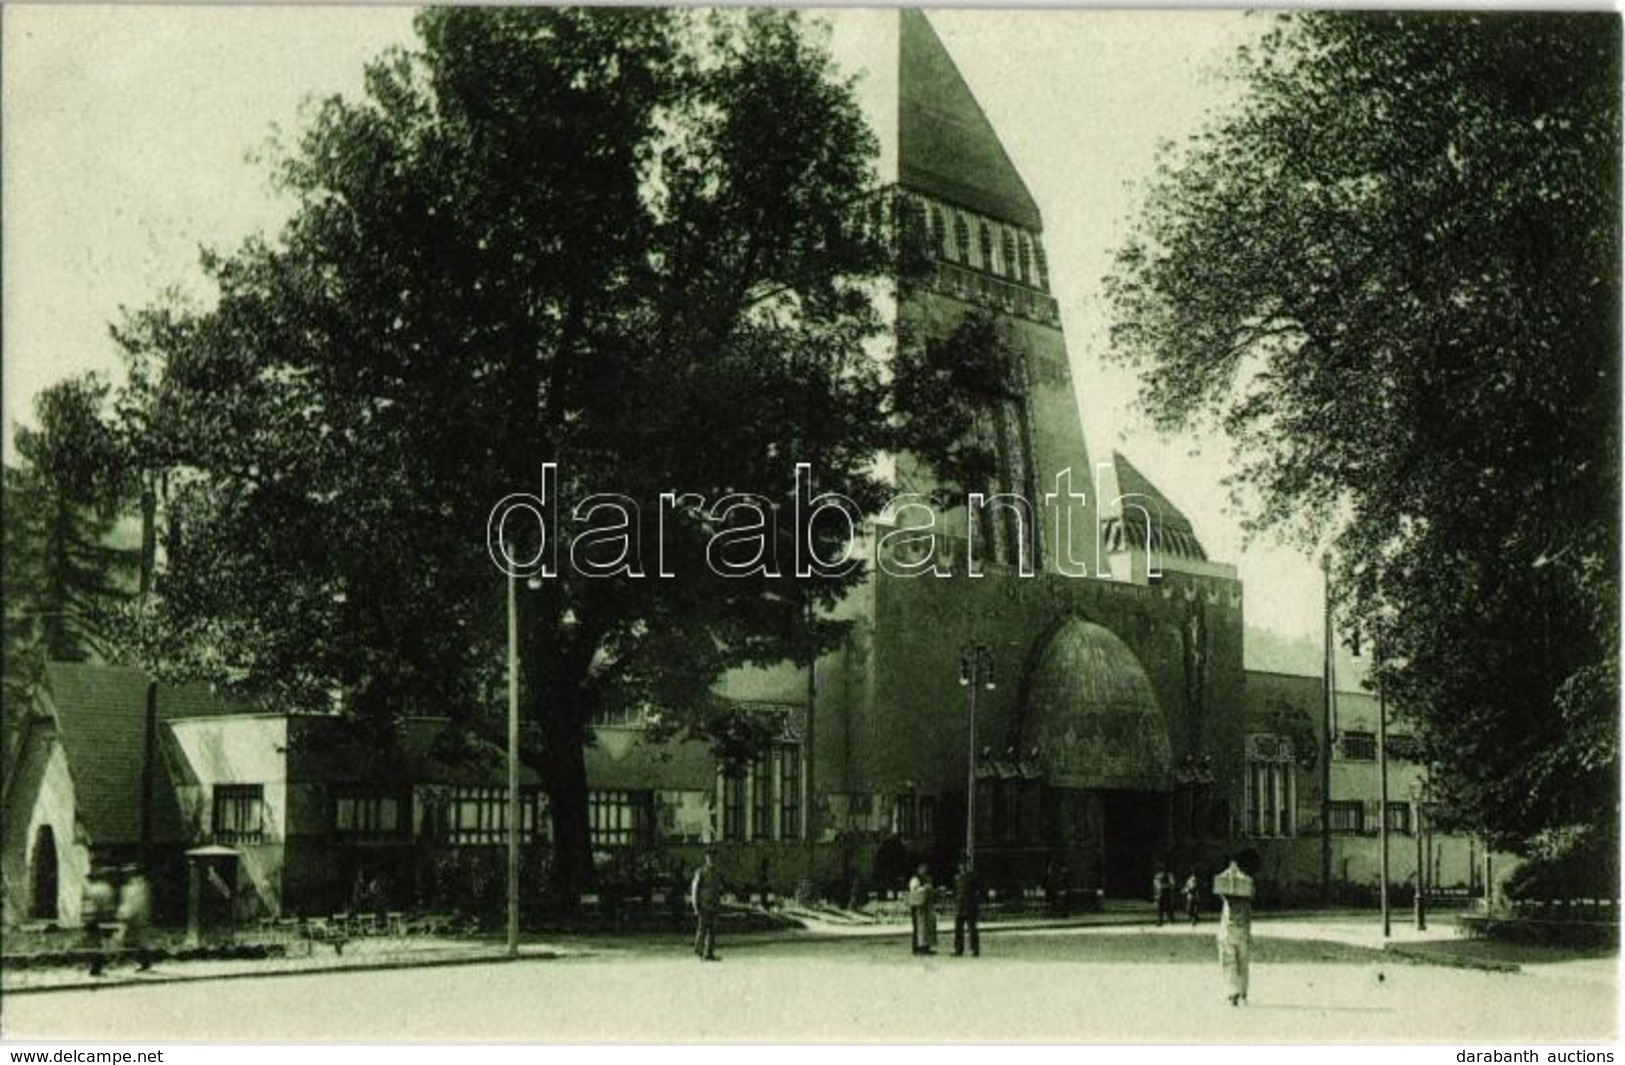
column 43, row 875
column 1136, row 835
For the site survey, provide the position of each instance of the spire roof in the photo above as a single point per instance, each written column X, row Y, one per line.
column 1172, row 531
column 946, row 146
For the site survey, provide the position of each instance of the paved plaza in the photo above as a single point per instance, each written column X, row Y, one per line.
column 1089, row 985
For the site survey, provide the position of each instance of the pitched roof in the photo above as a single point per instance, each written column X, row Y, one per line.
column 100, row 718
column 1172, row 530
column 427, row 750
column 946, row 147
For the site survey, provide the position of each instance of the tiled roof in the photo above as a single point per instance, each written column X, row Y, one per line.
column 100, row 715
column 1173, row 532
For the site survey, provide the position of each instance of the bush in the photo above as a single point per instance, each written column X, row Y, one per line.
column 1575, row 864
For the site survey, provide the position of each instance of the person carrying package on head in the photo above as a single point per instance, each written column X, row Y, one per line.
column 1235, row 891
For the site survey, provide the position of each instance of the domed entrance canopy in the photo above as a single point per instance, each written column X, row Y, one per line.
column 1091, row 714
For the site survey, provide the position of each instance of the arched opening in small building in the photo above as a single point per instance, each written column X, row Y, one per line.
column 42, row 865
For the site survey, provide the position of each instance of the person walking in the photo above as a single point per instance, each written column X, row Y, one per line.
column 706, row 896
column 97, row 906
column 1162, row 894
column 967, row 910
column 922, row 909
column 1235, row 891
column 135, row 916
column 1193, row 898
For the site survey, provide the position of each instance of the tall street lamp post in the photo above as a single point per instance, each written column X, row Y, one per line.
column 975, row 670
column 1382, row 783
column 513, row 765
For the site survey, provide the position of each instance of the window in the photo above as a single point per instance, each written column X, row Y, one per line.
column 1399, row 817
column 621, row 716
column 768, row 794
column 1007, row 265
column 1269, row 795
column 367, row 818
column 914, row 816
column 904, row 821
column 1358, row 746
column 1346, row 818
column 961, row 237
column 1042, row 262
column 789, row 759
column 480, row 815
column 1404, row 748
column 934, row 229
column 1270, row 799
column 985, row 243
column 239, row 813
column 733, row 807
column 1024, row 260
column 620, row 818
column 761, row 798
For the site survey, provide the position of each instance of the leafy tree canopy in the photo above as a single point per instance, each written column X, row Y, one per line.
column 1392, row 277
column 640, row 244
column 66, row 573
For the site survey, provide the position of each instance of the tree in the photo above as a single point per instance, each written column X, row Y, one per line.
column 1392, row 276
column 642, row 245
column 65, row 571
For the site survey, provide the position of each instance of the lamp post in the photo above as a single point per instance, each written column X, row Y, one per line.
column 975, row 670
column 1382, row 783
column 513, row 765
column 1419, row 791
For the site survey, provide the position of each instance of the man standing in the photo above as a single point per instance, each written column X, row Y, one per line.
column 967, row 908
column 1162, row 893
column 706, row 896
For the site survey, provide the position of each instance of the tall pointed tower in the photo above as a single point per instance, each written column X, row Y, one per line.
column 958, row 189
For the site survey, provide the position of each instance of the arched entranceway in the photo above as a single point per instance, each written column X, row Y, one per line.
column 1091, row 729
column 43, row 875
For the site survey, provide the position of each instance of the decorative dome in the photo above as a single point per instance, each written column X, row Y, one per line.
column 1091, row 714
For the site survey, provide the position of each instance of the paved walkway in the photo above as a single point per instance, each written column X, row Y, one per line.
column 394, row 953
column 1359, row 930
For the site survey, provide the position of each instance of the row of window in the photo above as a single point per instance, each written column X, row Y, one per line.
column 765, row 802
column 1362, row 747
column 1348, row 818
column 960, row 237
column 450, row 815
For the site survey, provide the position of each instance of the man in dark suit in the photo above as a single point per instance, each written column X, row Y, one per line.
column 967, row 908
column 706, row 896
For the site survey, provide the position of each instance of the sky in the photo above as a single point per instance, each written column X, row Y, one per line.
column 131, row 137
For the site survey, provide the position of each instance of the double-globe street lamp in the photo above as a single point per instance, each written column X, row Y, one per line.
column 975, row 671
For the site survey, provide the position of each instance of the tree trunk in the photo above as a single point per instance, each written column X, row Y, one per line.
column 566, row 784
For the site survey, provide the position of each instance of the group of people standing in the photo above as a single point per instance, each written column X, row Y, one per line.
column 922, row 909
column 122, row 898
column 1163, row 887
column 1233, row 887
